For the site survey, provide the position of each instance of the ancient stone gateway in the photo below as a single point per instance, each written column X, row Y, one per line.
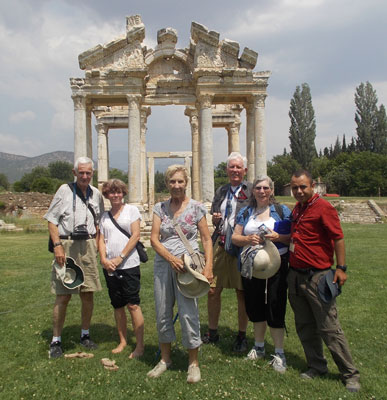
column 125, row 79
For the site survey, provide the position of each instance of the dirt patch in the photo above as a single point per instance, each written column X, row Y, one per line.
column 24, row 204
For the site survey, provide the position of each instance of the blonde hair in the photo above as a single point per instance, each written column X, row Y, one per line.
column 172, row 169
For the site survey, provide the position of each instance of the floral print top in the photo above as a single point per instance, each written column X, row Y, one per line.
column 188, row 221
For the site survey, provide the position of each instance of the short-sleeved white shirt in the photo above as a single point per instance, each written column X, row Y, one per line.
column 61, row 213
column 115, row 240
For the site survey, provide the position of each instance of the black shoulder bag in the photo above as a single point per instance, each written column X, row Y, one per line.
column 139, row 246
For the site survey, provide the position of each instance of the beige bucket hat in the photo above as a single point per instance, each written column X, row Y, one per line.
column 192, row 283
column 71, row 274
column 267, row 259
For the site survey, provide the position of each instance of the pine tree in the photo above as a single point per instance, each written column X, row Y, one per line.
column 380, row 139
column 344, row 145
column 302, row 131
column 371, row 121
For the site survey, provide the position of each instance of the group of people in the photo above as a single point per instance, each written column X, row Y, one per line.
column 305, row 241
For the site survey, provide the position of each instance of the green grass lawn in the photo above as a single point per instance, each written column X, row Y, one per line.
column 26, row 329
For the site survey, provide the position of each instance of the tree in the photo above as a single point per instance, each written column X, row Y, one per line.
column 302, row 131
column 4, row 183
column 61, row 170
column 116, row 173
column 43, row 185
column 160, row 186
column 24, row 185
column 371, row 122
column 220, row 175
column 280, row 170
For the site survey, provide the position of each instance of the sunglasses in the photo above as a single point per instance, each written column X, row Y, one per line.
column 262, row 187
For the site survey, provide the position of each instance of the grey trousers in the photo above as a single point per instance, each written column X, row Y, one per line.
column 316, row 322
column 166, row 293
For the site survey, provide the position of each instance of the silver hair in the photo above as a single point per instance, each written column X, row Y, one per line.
column 260, row 178
column 83, row 160
column 237, row 156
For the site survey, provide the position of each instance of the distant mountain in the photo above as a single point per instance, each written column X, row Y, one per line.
column 14, row 166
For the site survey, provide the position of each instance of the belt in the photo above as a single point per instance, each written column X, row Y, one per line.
column 308, row 270
column 78, row 237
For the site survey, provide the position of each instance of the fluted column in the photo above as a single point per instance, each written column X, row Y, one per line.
column 259, row 135
column 192, row 112
column 103, row 153
column 145, row 112
column 134, row 148
column 80, row 134
column 250, row 148
column 206, row 148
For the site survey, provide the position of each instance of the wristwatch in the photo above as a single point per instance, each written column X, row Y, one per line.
column 342, row 267
column 56, row 244
column 122, row 256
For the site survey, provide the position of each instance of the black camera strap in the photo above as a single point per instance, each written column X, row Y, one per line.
column 77, row 192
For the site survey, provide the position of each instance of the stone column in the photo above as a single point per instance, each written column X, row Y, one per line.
column 187, row 164
column 192, row 112
column 233, row 137
column 80, row 134
column 259, row 136
column 103, row 153
column 145, row 112
column 151, row 188
column 89, row 132
column 206, row 148
column 250, row 148
column 134, row 149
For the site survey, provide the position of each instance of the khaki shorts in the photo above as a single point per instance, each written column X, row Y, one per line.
column 84, row 252
column 225, row 270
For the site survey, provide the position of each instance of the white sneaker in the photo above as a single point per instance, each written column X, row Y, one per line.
column 159, row 369
column 193, row 375
column 279, row 362
column 256, row 353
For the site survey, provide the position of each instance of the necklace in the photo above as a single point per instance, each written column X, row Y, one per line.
column 260, row 210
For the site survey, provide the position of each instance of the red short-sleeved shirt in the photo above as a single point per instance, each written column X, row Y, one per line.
column 314, row 228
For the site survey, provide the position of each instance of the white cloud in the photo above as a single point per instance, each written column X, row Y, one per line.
column 22, row 116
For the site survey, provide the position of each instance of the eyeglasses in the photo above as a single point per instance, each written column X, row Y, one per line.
column 262, row 187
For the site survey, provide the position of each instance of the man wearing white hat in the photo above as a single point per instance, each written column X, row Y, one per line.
column 73, row 218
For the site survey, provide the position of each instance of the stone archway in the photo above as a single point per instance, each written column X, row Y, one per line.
column 210, row 72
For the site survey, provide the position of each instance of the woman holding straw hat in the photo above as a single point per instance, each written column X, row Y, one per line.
column 190, row 216
column 265, row 299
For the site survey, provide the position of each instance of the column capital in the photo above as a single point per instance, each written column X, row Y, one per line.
column 79, row 101
column 258, row 100
column 101, row 128
column 134, row 100
column 205, row 100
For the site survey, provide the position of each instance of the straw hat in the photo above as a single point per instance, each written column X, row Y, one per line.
column 192, row 283
column 71, row 274
column 267, row 259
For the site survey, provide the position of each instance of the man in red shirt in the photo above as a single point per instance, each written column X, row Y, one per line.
column 316, row 236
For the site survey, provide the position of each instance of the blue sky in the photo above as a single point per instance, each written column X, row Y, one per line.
column 333, row 45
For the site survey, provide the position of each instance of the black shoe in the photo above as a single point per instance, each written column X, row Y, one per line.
column 87, row 342
column 240, row 344
column 210, row 338
column 55, row 350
